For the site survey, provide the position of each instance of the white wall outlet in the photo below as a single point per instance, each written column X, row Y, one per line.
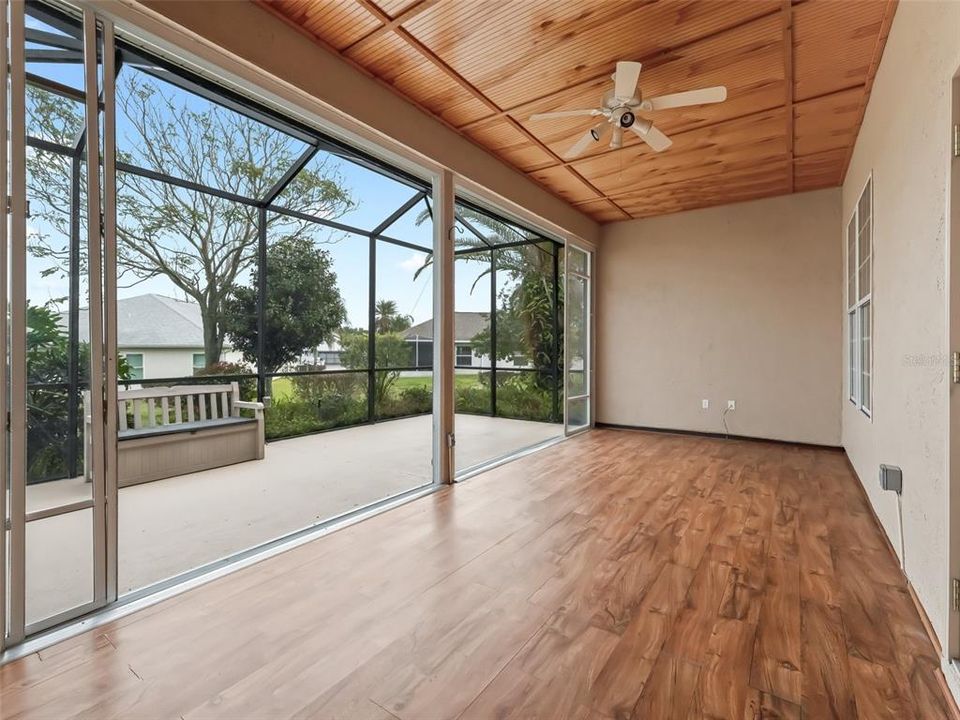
column 705, row 404
column 731, row 404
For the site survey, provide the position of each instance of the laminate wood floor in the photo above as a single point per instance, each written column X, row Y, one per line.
column 616, row 575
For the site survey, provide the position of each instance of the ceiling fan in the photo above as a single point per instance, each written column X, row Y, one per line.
column 618, row 108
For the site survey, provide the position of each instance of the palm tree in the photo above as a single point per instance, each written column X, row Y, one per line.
column 387, row 318
column 527, row 302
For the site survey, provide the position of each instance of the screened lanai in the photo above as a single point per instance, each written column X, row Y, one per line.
column 251, row 250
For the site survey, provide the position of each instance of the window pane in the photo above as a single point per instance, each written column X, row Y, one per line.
column 316, row 320
column 166, row 128
column 176, row 276
column 403, row 318
column 852, row 262
column 59, row 571
column 866, row 261
column 577, row 261
column 338, row 189
column 54, row 46
column 865, row 357
column 864, row 206
column 577, row 327
column 528, row 334
column 854, row 339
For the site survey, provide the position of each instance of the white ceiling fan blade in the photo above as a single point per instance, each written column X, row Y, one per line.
column 565, row 113
column 625, row 79
column 591, row 136
column 652, row 136
column 616, row 140
column 704, row 96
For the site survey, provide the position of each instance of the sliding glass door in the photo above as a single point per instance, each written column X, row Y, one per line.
column 58, row 495
column 577, row 338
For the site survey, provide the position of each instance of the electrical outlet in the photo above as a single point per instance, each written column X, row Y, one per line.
column 731, row 404
column 705, row 404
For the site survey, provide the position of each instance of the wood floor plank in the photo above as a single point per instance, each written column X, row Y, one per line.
column 827, row 686
column 723, row 690
column 669, row 693
column 618, row 575
column 776, row 656
column 761, row 706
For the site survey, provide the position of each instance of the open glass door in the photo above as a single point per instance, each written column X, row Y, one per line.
column 57, row 512
column 577, row 334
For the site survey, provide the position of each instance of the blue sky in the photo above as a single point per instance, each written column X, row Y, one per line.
column 376, row 197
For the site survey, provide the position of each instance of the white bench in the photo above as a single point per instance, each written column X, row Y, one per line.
column 164, row 432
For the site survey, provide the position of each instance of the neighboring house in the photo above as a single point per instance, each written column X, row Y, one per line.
column 325, row 355
column 160, row 336
column 467, row 325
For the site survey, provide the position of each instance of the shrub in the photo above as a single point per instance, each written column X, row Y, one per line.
column 473, row 399
column 409, row 401
column 320, row 401
column 248, row 385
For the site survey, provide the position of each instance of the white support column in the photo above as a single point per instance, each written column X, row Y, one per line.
column 443, row 328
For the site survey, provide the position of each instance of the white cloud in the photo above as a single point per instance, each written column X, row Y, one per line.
column 413, row 263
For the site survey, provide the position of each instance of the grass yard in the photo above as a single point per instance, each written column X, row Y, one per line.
column 282, row 388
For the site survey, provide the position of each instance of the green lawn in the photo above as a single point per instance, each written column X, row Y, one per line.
column 283, row 386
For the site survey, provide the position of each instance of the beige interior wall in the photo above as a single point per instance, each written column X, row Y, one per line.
column 739, row 302
column 905, row 142
column 254, row 35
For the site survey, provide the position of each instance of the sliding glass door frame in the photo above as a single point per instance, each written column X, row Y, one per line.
column 587, row 310
column 97, row 43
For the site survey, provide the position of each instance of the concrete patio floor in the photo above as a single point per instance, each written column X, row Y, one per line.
column 171, row 526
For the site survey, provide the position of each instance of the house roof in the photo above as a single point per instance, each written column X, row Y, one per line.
column 467, row 325
column 152, row 321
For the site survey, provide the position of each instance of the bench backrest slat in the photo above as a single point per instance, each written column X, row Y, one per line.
column 204, row 402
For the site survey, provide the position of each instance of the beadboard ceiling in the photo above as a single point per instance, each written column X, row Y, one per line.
column 798, row 76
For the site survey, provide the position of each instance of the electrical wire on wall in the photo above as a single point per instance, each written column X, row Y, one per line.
column 903, row 556
column 723, row 419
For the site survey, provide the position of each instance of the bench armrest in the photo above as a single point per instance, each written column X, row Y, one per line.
column 257, row 407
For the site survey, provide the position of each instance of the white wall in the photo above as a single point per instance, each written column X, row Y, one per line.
column 905, row 142
column 738, row 302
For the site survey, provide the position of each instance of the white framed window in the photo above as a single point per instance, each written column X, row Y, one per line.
column 859, row 243
column 199, row 362
column 135, row 362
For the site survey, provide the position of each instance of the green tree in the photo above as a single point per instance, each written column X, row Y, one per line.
column 392, row 351
column 303, row 304
column 48, row 394
column 389, row 319
column 201, row 243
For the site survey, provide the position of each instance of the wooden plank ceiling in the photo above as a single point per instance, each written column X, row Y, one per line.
column 798, row 76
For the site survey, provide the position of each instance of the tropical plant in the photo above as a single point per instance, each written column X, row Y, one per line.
column 389, row 319
column 526, row 314
column 54, row 448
